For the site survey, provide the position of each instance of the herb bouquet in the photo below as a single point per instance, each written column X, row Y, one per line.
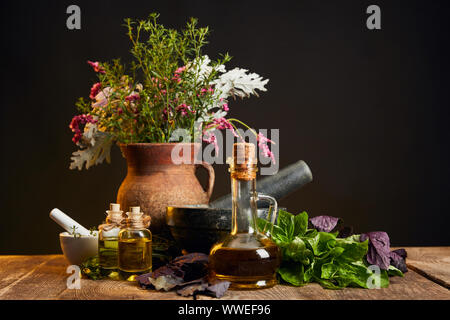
column 169, row 93
column 170, row 85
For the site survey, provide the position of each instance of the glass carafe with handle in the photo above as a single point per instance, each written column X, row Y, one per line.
column 246, row 257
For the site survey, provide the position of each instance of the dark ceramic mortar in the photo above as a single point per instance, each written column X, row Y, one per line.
column 197, row 228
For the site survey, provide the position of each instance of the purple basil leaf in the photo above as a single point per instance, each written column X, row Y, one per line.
column 192, row 289
column 144, row 281
column 397, row 259
column 218, row 289
column 324, row 223
column 379, row 252
column 167, row 270
column 192, row 266
column 165, row 283
column 401, row 252
column 181, row 270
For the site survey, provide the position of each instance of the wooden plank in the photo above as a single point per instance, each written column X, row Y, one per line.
column 43, row 280
column 12, row 268
column 431, row 262
column 411, row 287
column 44, row 277
column 116, row 290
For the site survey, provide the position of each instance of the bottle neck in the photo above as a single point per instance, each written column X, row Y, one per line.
column 243, row 193
column 115, row 218
column 136, row 225
column 141, row 221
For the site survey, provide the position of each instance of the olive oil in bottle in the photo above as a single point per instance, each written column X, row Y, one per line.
column 108, row 241
column 135, row 246
column 246, row 257
column 246, row 268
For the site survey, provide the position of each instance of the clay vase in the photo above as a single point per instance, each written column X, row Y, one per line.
column 154, row 182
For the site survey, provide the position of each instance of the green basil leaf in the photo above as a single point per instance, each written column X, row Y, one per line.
column 393, row 271
column 292, row 273
column 310, row 233
column 300, row 224
column 319, row 243
column 286, row 223
column 329, row 270
column 353, row 250
column 297, row 251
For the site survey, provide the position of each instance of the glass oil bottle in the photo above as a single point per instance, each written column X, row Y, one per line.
column 108, row 241
column 246, row 257
column 135, row 246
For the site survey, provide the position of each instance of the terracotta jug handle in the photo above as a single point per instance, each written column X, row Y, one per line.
column 211, row 177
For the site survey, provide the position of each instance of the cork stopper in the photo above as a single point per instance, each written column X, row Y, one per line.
column 137, row 219
column 114, row 213
column 114, row 207
column 244, row 161
column 135, row 213
column 135, row 210
column 244, row 154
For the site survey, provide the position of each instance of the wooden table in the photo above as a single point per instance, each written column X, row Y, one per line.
column 44, row 277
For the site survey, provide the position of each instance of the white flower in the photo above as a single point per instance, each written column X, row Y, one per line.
column 235, row 83
column 95, row 147
column 202, row 68
column 238, row 83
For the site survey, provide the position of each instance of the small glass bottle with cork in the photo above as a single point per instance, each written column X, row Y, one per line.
column 135, row 245
column 108, row 241
column 246, row 257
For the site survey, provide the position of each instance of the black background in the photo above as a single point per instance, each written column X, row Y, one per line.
column 367, row 110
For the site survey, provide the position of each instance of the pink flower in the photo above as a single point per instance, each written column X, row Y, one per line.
column 95, row 90
column 221, row 124
column 204, row 91
column 166, row 113
column 180, row 70
column 155, row 82
column 177, row 74
column 210, row 137
column 262, row 144
column 185, row 109
column 225, row 107
column 96, row 66
column 133, row 97
column 75, row 125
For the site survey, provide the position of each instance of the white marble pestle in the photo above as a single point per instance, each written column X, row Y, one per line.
column 68, row 224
